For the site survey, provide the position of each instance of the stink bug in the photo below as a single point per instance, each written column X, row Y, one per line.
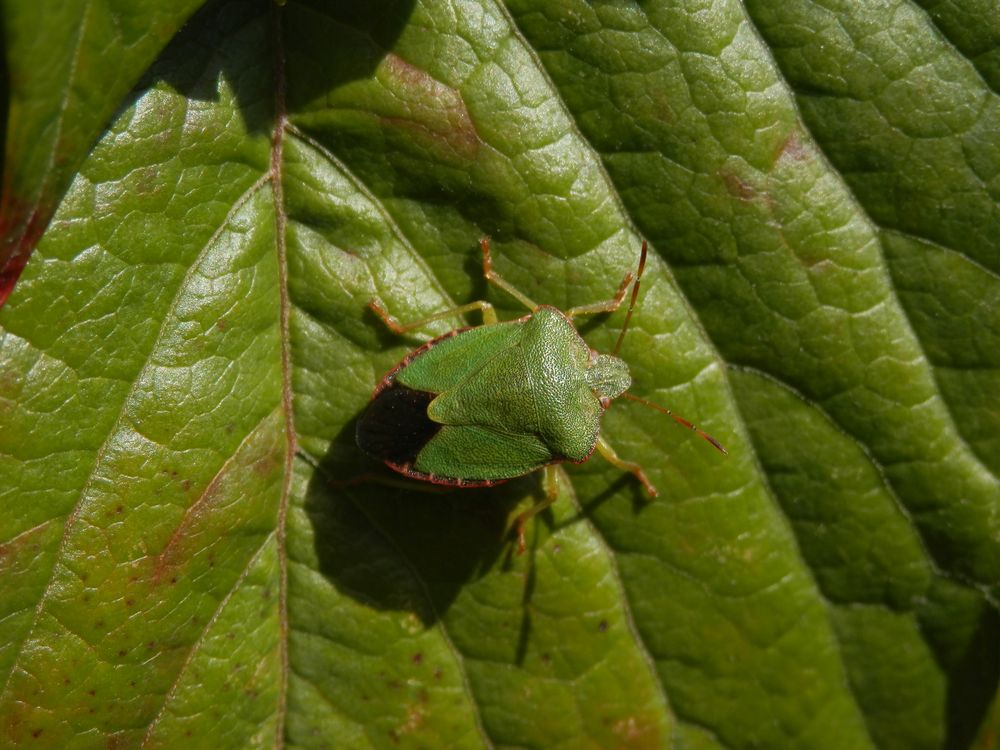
column 479, row 406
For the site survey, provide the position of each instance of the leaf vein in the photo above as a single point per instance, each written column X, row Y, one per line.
column 119, row 419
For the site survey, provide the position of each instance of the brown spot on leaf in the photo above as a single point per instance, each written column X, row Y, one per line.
column 414, row 720
column 265, row 465
column 437, row 112
column 629, row 728
column 22, row 549
column 792, row 148
column 10, row 382
column 13, row 723
column 738, row 187
column 262, row 451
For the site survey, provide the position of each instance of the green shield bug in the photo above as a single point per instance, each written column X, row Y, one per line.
column 481, row 405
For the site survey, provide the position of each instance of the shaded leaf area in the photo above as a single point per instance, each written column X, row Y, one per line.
column 830, row 584
column 64, row 85
column 974, row 29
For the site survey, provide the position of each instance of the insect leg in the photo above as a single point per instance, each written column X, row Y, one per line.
column 609, row 305
column 393, row 324
column 494, row 278
column 550, row 480
column 605, row 449
column 615, row 302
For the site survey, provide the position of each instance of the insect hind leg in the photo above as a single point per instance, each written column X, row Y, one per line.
column 605, row 449
column 550, row 480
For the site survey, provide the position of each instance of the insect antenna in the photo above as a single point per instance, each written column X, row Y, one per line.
column 680, row 420
column 618, row 345
column 631, row 304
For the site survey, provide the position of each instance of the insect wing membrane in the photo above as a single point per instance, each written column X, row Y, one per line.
column 395, row 426
column 479, row 453
column 450, row 361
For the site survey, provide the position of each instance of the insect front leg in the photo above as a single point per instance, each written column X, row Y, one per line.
column 615, row 302
column 605, row 449
column 393, row 324
column 497, row 280
column 603, row 307
column 550, row 481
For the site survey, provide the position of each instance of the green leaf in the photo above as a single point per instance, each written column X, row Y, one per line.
column 67, row 68
column 185, row 559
